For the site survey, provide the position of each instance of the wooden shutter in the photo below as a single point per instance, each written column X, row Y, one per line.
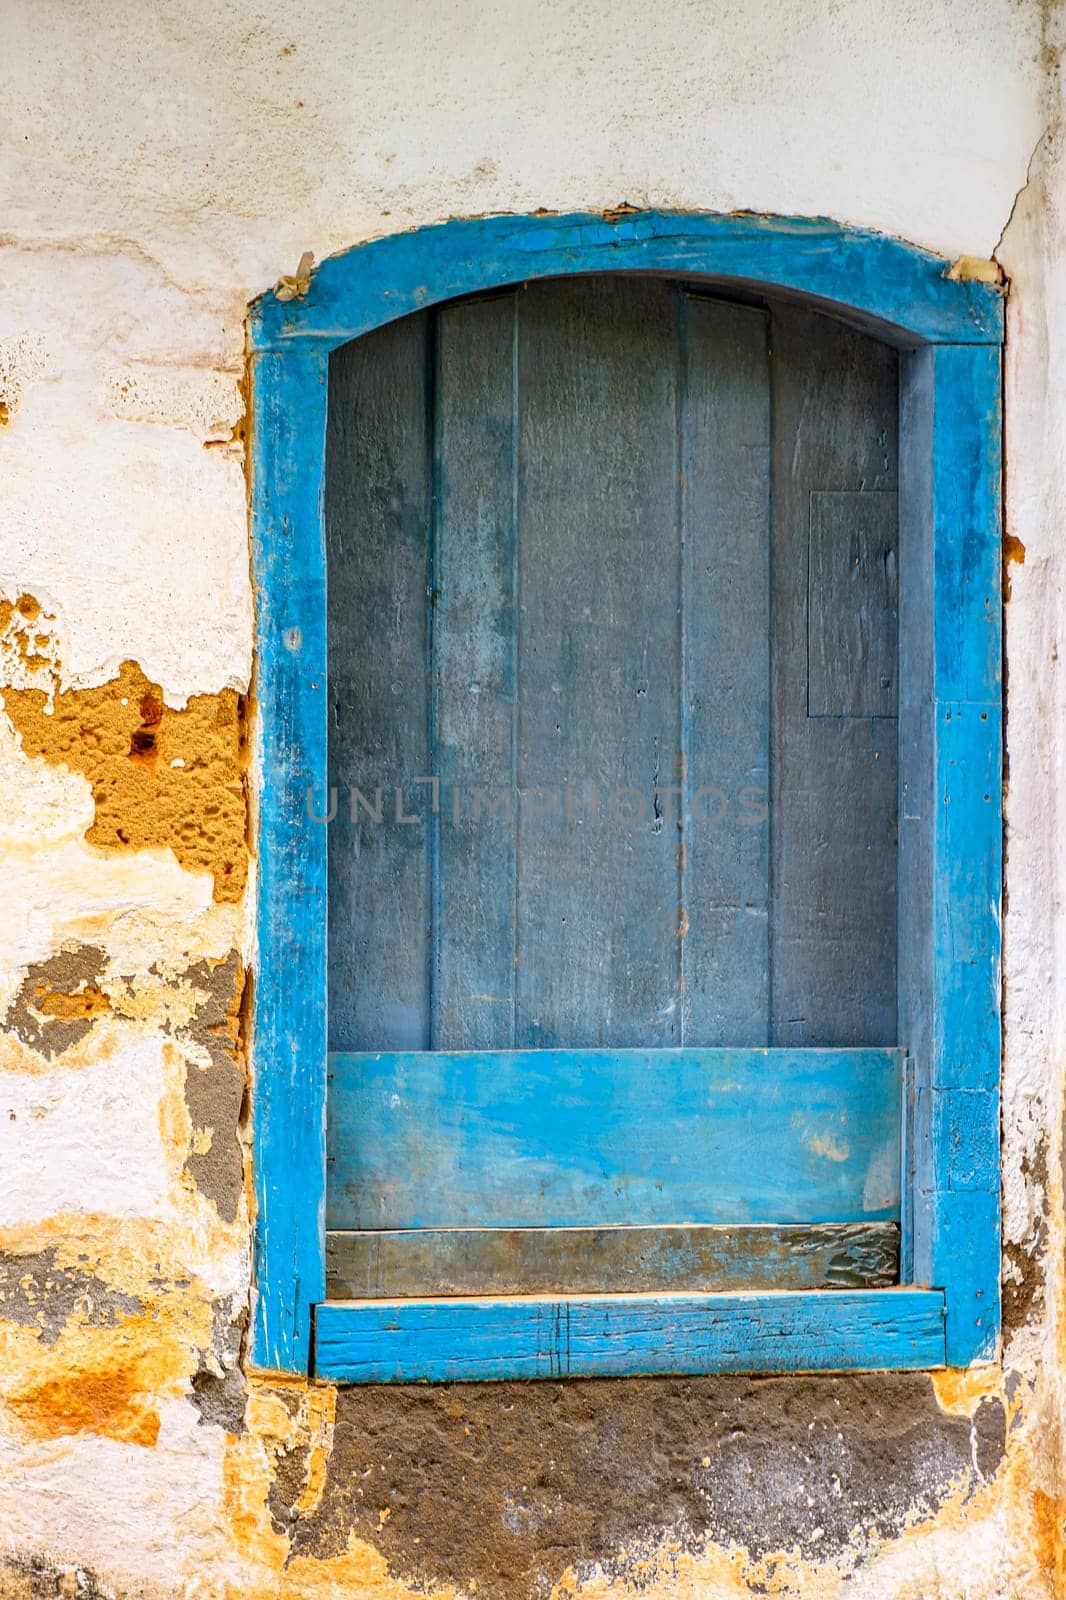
column 612, row 934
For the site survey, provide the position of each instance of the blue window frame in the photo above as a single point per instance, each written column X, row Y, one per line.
column 948, row 334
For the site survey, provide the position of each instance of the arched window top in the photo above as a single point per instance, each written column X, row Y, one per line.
column 902, row 293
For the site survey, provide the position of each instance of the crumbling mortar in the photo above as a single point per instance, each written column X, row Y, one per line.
column 69, row 975
column 62, row 999
column 39, row 1577
column 216, row 1095
column 37, row 1293
column 218, row 1388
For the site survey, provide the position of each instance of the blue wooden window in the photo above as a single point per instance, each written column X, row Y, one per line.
column 657, row 1099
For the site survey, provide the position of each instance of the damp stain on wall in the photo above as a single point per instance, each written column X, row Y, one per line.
column 215, row 1091
column 199, row 1008
column 59, row 999
column 115, row 1401
column 498, row 1489
column 94, row 1348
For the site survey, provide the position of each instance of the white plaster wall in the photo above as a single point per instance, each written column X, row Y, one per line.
column 1033, row 254
column 162, row 162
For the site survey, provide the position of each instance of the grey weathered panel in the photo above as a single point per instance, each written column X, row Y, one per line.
column 598, row 958
column 834, row 779
column 474, row 674
column 592, row 527
column 852, row 602
column 377, row 499
column 725, row 425
column 476, row 1261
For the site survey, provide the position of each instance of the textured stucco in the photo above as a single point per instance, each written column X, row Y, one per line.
column 160, row 166
column 158, row 776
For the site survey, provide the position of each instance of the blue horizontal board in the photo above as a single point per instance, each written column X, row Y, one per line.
column 602, row 1137
column 436, row 1341
column 905, row 288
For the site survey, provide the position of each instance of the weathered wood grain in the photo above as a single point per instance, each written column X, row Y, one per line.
column 576, row 476
column 952, row 821
column 377, row 507
column 551, row 419
column 725, row 555
column 473, row 673
column 917, row 765
column 834, row 804
column 597, row 1137
column 599, row 664
column 290, row 1029
column 501, row 1261
column 852, row 605
column 381, row 1341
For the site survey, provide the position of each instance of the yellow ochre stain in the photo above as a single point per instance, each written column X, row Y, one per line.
column 960, row 1390
column 159, row 777
column 111, row 1402
column 1049, row 1526
column 88, row 1002
column 1013, row 556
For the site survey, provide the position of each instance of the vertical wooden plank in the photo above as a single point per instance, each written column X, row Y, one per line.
column 598, row 662
column 966, row 986
column 967, row 548
column 967, row 717
column 956, row 1199
column 834, row 799
column 474, row 677
column 954, row 392
column 289, row 1054
column 917, row 774
column 377, row 509
column 726, row 630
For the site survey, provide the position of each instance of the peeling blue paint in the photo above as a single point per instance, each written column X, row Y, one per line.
column 902, row 287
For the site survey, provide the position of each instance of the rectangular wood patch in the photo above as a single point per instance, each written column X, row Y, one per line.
column 556, row 1138
column 414, row 1263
